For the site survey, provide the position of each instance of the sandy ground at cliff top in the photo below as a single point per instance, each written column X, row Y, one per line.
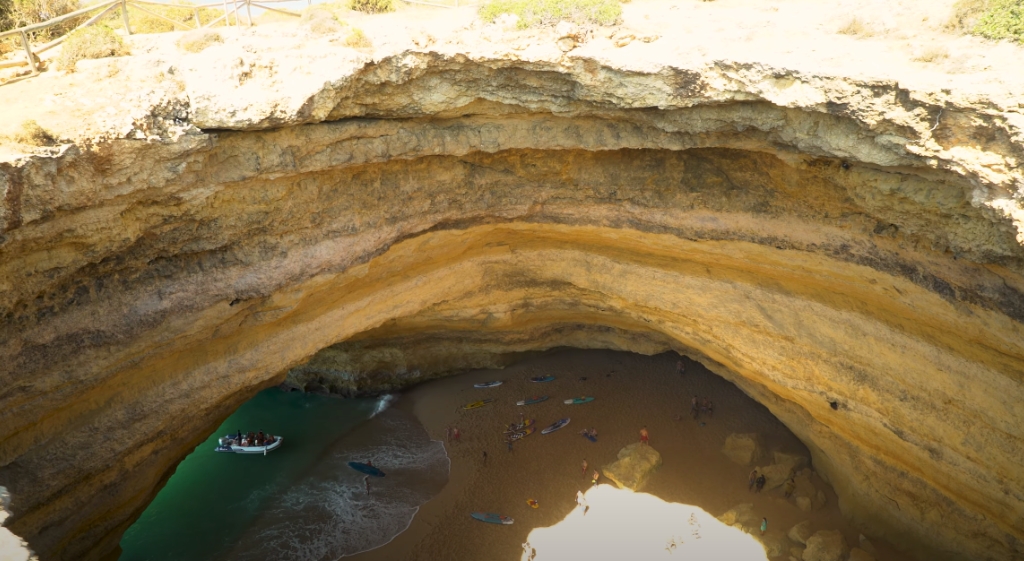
column 904, row 40
column 631, row 391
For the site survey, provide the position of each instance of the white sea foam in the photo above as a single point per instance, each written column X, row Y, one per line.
column 383, row 403
column 328, row 515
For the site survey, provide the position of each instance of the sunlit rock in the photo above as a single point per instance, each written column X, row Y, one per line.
column 636, row 462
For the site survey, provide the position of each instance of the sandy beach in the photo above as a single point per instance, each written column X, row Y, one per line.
column 630, row 391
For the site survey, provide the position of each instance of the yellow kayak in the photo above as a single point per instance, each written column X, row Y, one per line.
column 476, row 404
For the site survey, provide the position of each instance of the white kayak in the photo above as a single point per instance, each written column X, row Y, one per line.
column 488, row 384
column 230, row 444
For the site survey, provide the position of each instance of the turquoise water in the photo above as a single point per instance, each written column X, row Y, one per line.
column 213, row 498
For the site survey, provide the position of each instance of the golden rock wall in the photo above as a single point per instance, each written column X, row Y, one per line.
column 833, row 248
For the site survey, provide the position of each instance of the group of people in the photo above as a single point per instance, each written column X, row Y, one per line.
column 756, row 482
column 254, row 439
column 452, row 434
column 698, row 406
column 591, row 432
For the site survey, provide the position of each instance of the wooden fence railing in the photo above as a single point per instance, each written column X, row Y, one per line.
column 103, row 9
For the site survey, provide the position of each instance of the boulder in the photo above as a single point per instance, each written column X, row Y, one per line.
column 858, row 554
column 635, row 464
column 798, row 461
column 797, row 551
column 803, row 503
column 866, row 544
column 744, row 449
column 740, row 514
column 775, row 475
column 801, row 532
column 826, row 545
column 775, row 545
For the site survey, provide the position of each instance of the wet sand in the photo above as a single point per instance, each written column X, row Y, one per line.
column 631, row 391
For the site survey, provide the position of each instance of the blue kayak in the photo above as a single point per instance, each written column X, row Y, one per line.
column 542, row 379
column 555, row 426
column 492, row 518
column 366, row 468
column 578, row 400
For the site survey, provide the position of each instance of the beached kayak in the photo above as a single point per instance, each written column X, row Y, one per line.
column 579, row 400
column 488, row 384
column 542, row 379
column 556, row 425
column 521, row 434
column 366, row 468
column 492, row 518
column 532, row 400
column 476, row 404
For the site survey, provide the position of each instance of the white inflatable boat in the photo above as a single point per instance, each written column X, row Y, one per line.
column 230, row 443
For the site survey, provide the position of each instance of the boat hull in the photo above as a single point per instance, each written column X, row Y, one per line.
column 231, row 448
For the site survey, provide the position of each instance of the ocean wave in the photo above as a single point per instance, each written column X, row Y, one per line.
column 383, row 403
column 329, row 514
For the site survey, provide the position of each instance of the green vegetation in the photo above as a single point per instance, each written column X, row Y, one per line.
column 19, row 13
column 1004, row 19
column 95, row 41
column 197, row 40
column 993, row 19
column 358, row 40
column 549, row 12
column 372, row 6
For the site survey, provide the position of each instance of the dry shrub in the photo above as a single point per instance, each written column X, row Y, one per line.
column 180, row 11
column 358, row 40
column 965, row 15
column 31, row 133
column 198, row 40
column 95, row 41
column 372, row 6
column 856, row 28
column 26, row 12
column 550, row 12
column 321, row 21
column 932, row 54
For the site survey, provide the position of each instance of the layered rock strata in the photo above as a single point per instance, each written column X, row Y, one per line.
column 846, row 251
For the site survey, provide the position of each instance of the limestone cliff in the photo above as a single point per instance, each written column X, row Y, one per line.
column 847, row 250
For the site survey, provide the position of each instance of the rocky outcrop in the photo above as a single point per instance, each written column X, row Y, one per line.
column 635, row 464
column 844, row 248
column 826, row 545
column 743, row 449
column 801, row 532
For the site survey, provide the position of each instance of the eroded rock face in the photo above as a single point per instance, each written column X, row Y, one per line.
column 817, row 240
column 635, row 464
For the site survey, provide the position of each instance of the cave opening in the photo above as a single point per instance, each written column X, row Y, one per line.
column 304, row 503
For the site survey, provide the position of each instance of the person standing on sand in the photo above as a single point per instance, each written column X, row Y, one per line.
column 760, row 483
column 764, row 525
column 485, row 457
column 711, row 409
column 366, row 481
column 680, row 367
column 584, row 467
column 693, row 408
column 752, row 480
column 456, row 435
column 644, row 437
column 596, row 476
column 448, row 434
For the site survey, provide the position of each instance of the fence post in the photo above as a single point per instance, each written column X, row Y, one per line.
column 195, row 12
column 28, row 53
column 248, row 12
column 124, row 17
